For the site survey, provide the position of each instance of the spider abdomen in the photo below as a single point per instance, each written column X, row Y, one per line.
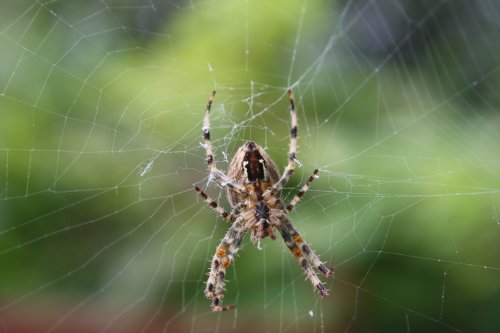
column 253, row 168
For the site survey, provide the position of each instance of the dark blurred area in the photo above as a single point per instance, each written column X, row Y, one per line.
column 454, row 44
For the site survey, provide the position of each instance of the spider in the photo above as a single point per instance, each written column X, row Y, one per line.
column 254, row 188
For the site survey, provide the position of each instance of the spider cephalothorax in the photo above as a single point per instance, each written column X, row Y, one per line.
column 253, row 188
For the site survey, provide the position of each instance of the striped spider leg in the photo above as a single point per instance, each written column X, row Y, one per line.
column 302, row 191
column 214, row 172
column 303, row 253
column 229, row 217
column 224, row 255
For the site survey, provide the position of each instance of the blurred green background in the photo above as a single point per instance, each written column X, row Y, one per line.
column 101, row 106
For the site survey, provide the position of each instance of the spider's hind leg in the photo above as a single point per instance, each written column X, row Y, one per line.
column 304, row 255
column 224, row 255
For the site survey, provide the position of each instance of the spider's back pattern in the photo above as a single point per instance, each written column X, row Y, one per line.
column 254, row 187
column 253, row 168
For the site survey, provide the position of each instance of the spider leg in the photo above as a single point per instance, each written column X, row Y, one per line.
column 224, row 255
column 304, row 254
column 293, row 147
column 302, row 191
column 206, row 132
column 229, row 217
column 214, row 172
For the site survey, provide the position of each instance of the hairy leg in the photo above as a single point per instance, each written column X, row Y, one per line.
column 293, row 147
column 215, row 173
column 229, row 217
column 302, row 191
column 304, row 254
column 224, row 255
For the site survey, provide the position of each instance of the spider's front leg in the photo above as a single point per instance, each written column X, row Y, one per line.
column 287, row 174
column 303, row 254
column 224, row 255
column 215, row 173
